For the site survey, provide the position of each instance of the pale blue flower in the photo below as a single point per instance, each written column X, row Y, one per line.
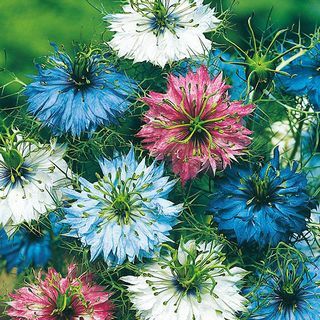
column 126, row 213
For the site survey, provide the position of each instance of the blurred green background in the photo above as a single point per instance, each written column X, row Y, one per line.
column 27, row 26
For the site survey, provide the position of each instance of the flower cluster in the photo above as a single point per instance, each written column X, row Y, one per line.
column 180, row 175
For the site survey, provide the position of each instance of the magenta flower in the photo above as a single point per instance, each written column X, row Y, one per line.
column 195, row 124
column 53, row 297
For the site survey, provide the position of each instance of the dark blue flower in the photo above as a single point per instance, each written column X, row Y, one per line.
column 217, row 62
column 79, row 95
column 305, row 76
column 262, row 205
column 25, row 248
column 292, row 293
column 30, row 246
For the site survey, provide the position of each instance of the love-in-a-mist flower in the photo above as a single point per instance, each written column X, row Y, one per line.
column 288, row 292
column 25, row 248
column 195, row 124
column 53, row 297
column 191, row 283
column 262, row 205
column 78, row 95
column 30, row 176
column 162, row 31
column 303, row 77
column 126, row 213
column 30, row 245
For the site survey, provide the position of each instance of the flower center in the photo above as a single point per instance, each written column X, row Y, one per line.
column 288, row 295
column 64, row 309
column 184, row 287
column 196, row 125
column 259, row 190
column 82, row 67
column 162, row 19
column 122, row 207
column 14, row 169
column 120, row 200
column 81, row 71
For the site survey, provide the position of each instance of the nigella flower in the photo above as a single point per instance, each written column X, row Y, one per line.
column 78, row 95
column 25, row 248
column 30, row 176
column 125, row 214
column 304, row 79
column 192, row 283
column 162, row 31
column 195, row 124
column 218, row 61
column 262, row 206
column 29, row 246
column 53, row 297
column 288, row 293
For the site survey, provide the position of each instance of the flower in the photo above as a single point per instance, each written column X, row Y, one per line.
column 263, row 206
column 30, row 176
column 125, row 213
column 288, row 293
column 162, row 31
column 195, row 124
column 192, row 283
column 29, row 245
column 26, row 248
column 216, row 62
column 79, row 95
column 58, row 298
column 304, row 76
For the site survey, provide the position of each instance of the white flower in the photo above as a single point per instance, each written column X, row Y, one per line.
column 162, row 31
column 191, row 284
column 29, row 177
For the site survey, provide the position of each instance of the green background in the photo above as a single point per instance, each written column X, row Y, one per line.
column 28, row 26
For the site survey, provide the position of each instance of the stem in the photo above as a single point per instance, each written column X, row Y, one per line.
column 284, row 63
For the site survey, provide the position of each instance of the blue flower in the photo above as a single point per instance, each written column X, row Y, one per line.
column 125, row 214
column 290, row 293
column 79, row 95
column 305, row 76
column 216, row 62
column 25, row 248
column 262, row 206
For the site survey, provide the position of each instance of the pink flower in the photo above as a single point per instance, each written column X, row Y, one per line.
column 195, row 124
column 53, row 297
